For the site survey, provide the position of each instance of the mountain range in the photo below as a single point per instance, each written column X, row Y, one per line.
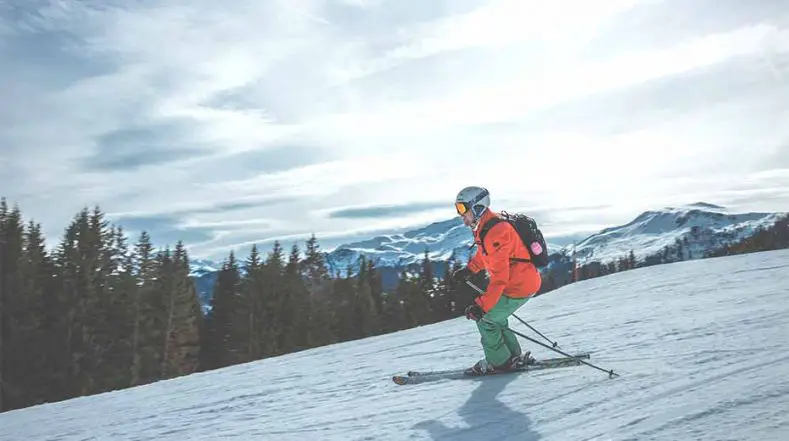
column 698, row 228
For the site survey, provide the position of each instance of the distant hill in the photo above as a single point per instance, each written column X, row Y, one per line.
column 694, row 230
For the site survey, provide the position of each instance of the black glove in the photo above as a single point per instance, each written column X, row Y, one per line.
column 474, row 312
column 462, row 274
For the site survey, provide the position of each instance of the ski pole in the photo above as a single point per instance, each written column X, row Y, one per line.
column 610, row 373
column 555, row 344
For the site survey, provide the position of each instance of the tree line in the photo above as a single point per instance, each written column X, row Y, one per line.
column 771, row 238
column 277, row 304
column 94, row 314
column 99, row 313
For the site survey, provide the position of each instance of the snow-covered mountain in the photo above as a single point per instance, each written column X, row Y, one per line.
column 697, row 361
column 699, row 227
column 201, row 267
column 703, row 227
column 442, row 240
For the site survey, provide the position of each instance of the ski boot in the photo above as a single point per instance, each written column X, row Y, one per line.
column 525, row 359
column 482, row 367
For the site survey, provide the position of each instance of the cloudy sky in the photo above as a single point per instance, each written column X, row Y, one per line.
column 231, row 123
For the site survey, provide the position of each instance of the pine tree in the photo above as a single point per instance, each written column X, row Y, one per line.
column 321, row 304
column 297, row 284
column 447, row 290
column 375, row 283
column 144, row 274
column 549, row 282
column 623, row 264
column 251, row 304
column 154, row 304
column 96, row 334
column 121, row 289
column 62, row 309
column 182, row 338
column 294, row 304
column 343, row 294
column 11, row 245
column 427, row 286
column 403, row 313
column 416, row 303
column 363, row 306
column 273, row 301
column 30, row 326
column 224, row 344
column 81, row 278
column 75, row 258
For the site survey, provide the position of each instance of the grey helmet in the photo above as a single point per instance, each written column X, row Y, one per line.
column 476, row 199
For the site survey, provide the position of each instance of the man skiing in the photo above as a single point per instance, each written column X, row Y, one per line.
column 513, row 280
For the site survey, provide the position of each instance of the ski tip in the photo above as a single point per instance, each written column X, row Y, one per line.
column 399, row 379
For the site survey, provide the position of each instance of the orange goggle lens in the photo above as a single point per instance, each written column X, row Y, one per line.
column 461, row 207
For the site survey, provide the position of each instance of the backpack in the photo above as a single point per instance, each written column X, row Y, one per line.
column 530, row 235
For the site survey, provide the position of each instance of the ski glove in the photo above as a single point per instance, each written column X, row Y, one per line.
column 474, row 312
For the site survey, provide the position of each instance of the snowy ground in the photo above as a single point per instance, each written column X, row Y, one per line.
column 702, row 347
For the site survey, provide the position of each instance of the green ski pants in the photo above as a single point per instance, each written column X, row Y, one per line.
column 499, row 344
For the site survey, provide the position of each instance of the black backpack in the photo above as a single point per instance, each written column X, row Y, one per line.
column 530, row 235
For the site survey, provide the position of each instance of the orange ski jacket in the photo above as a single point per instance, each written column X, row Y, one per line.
column 507, row 277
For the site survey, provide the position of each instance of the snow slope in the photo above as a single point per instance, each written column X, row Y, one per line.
column 702, row 348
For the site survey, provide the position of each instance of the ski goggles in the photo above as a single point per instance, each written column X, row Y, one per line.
column 464, row 206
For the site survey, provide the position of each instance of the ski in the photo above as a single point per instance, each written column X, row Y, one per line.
column 415, row 377
column 542, row 364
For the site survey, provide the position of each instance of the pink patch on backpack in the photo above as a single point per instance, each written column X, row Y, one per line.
column 536, row 248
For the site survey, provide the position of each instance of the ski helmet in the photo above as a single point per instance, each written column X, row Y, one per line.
column 474, row 199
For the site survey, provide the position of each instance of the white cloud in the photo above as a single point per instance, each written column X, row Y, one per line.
column 381, row 103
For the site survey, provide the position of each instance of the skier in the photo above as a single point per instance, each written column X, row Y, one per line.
column 512, row 282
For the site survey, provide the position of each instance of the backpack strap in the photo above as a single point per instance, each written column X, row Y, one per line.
column 484, row 231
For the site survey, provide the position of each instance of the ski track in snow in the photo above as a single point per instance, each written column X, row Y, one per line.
column 702, row 348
